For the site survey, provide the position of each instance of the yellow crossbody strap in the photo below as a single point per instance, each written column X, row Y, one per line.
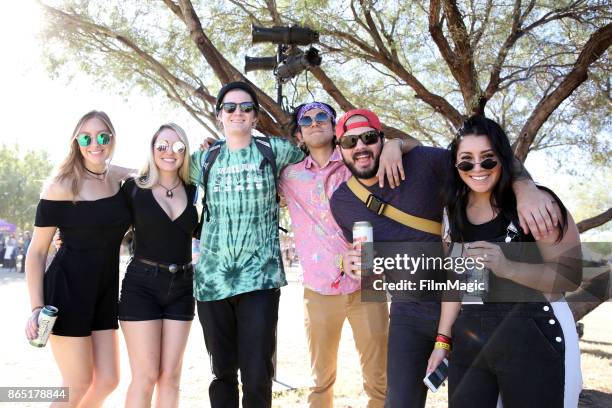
column 381, row 208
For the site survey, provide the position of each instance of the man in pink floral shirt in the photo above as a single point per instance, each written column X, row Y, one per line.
column 330, row 296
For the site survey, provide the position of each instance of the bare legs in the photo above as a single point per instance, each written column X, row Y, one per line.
column 89, row 367
column 155, row 349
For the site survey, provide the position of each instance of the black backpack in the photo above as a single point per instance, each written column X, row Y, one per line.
column 264, row 147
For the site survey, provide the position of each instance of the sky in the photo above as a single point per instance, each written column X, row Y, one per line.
column 40, row 112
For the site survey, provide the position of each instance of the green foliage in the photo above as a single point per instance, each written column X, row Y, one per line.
column 21, row 179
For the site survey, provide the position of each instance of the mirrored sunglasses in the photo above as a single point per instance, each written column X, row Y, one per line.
column 177, row 147
column 84, row 139
column 320, row 117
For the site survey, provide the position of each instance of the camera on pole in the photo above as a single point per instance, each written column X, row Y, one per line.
column 290, row 60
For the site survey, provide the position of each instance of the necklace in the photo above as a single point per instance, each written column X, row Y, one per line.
column 169, row 192
column 97, row 176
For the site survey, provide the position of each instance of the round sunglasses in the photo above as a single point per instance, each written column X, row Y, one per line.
column 350, row 141
column 320, row 117
column 230, row 107
column 177, row 147
column 84, row 139
column 486, row 164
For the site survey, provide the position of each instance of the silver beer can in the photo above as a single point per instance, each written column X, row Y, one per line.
column 46, row 320
column 363, row 240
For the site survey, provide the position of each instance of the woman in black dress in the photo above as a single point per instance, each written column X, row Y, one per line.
column 157, row 304
column 83, row 201
column 509, row 341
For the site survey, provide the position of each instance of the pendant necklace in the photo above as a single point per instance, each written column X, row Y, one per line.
column 169, row 192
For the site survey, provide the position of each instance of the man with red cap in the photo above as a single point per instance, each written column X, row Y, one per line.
column 331, row 297
column 413, row 317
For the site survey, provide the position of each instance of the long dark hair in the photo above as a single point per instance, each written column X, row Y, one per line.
column 456, row 193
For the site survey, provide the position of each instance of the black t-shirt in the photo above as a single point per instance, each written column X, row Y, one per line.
column 156, row 236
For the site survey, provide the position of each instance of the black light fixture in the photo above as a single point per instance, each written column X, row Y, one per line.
column 290, row 60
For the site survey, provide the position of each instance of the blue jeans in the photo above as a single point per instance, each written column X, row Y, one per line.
column 411, row 341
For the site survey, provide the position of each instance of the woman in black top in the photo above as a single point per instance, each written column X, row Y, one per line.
column 157, row 305
column 82, row 200
column 510, row 344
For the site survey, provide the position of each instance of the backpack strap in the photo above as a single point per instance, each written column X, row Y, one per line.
column 265, row 148
column 209, row 160
column 379, row 207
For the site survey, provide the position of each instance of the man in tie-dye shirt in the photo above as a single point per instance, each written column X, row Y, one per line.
column 331, row 297
column 239, row 271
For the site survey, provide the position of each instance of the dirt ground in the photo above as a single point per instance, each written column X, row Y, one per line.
column 24, row 365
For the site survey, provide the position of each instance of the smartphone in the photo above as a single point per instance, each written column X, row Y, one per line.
column 434, row 380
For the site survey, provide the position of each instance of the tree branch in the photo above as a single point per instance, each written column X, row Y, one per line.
column 598, row 42
column 330, row 87
column 595, row 221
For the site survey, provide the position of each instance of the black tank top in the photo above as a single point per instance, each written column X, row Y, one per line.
column 156, row 236
column 521, row 249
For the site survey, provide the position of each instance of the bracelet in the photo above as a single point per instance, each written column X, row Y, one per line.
column 36, row 308
column 401, row 142
column 443, row 338
column 443, row 346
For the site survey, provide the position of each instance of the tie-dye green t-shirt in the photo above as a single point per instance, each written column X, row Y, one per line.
column 239, row 246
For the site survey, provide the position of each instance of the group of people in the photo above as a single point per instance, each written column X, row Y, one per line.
column 235, row 283
column 10, row 249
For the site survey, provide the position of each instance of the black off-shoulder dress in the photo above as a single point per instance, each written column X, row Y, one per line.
column 82, row 281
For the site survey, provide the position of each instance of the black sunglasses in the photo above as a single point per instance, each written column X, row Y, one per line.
column 350, row 141
column 486, row 164
column 320, row 117
column 230, row 107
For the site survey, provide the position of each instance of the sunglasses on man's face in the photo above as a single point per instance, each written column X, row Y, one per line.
column 486, row 164
column 230, row 107
column 84, row 139
column 320, row 117
column 350, row 141
column 163, row 146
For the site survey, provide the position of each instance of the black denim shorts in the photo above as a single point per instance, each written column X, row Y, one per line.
column 150, row 293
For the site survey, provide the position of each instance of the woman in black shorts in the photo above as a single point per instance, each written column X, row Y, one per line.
column 82, row 200
column 157, row 305
column 509, row 340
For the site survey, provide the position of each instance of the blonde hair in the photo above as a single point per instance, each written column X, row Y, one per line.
column 149, row 174
column 71, row 170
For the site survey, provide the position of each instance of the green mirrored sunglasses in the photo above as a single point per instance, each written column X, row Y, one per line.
column 84, row 139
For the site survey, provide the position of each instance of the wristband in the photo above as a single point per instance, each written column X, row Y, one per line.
column 36, row 308
column 443, row 338
column 443, row 346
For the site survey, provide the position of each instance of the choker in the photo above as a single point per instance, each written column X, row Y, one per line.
column 97, row 175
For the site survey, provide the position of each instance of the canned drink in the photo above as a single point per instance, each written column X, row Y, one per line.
column 362, row 232
column 363, row 240
column 46, row 320
column 478, row 276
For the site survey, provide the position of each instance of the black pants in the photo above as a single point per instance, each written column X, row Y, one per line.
column 411, row 342
column 516, row 350
column 240, row 334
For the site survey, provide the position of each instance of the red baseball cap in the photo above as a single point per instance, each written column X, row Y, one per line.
column 371, row 121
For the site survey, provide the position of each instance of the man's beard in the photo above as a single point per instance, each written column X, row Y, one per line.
column 364, row 174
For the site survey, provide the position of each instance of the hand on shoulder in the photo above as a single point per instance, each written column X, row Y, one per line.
column 121, row 173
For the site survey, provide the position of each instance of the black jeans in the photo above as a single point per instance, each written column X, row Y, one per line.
column 240, row 334
column 411, row 342
column 516, row 350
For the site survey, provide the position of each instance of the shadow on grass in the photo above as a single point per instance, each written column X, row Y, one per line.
column 594, row 399
column 597, row 353
column 596, row 343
